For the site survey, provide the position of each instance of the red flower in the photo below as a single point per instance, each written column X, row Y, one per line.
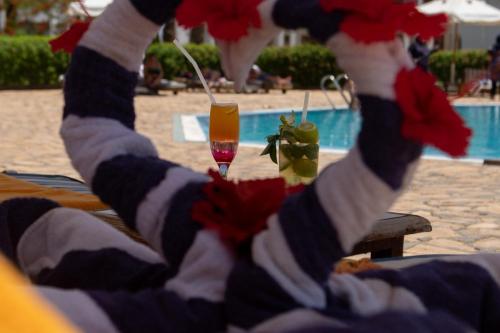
column 69, row 39
column 379, row 20
column 226, row 19
column 237, row 211
column 428, row 116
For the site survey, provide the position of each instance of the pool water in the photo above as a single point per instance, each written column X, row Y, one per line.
column 338, row 129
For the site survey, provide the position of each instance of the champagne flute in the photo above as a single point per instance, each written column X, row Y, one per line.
column 224, row 134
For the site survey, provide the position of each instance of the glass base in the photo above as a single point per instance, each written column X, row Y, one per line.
column 223, row 169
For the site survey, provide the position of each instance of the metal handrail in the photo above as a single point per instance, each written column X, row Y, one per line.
column 335, row 81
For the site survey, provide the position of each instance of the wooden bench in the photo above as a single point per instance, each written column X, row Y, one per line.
column 385, row 240
column 387, row 237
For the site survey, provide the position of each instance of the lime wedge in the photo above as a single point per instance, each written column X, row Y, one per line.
column 283, row 166
column 307, row 133
column 305, row 168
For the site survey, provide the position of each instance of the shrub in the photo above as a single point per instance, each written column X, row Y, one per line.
column 175, row 64
column 28, row 62
column 306, row 63
column 440, row 63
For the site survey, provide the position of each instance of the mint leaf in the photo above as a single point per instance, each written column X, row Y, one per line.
column 271, row 147
column 272, row 154
column 288, row 135
column 284, row 121
column 286, row 150
column 311, row 151
column 297, row 151
column 291, row 151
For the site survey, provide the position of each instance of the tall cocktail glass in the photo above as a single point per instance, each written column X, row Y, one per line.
column 224, row 134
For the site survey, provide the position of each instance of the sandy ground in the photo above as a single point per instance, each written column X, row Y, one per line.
column 462, row 200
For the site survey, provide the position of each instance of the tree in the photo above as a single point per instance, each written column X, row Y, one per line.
column 18, row 12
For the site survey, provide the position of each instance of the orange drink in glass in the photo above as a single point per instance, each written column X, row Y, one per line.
column 224, row 132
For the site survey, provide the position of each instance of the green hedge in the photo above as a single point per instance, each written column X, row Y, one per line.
column 440, row 63
column 175, row 64
column 28, row 62
column 307, row 63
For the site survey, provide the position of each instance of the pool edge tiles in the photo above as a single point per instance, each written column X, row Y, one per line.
column 191, row 129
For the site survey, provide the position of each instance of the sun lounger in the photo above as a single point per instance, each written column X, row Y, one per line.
column 165, row 85
column 476, row 81
column 386, row 239
column 66, row 191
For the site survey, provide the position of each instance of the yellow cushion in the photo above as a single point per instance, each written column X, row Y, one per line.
column 22, row 310
column 11, row 187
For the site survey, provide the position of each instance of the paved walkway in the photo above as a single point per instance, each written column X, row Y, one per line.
column 462, row 200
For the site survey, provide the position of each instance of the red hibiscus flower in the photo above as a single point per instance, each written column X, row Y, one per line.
column 237, row 211
column 428, row 116
column 69, row 40
column 226, row 19
column 379, row 20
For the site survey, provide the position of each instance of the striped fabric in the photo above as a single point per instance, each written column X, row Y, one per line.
column 187, row 279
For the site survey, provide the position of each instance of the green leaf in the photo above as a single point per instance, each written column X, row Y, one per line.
column 288, row 135
column 291, row 151
column 266, row 150
column 286, row 150
column 273, row 138
column 272, row 154
column 283, row 120
column 271, row 147
column 311, row 151
column 296, row 151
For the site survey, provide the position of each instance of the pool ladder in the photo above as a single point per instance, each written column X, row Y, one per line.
column 350, row 101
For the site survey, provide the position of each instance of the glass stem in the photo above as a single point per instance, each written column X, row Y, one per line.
column 223, row 169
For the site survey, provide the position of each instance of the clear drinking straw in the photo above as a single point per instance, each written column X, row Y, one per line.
column 306, row 105
column 197, row 69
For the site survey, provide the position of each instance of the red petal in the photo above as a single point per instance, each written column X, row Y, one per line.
column 425, row 26
column 372, row 21
column 191, row 13
column 69, row 39
column 428, row 116
column 237, row 211
column 226, row 19
column 228, row 29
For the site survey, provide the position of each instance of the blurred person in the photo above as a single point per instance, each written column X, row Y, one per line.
column 494, row 67
column 420, row 53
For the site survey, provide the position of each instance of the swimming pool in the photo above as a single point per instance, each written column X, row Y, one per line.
column 338, row 129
